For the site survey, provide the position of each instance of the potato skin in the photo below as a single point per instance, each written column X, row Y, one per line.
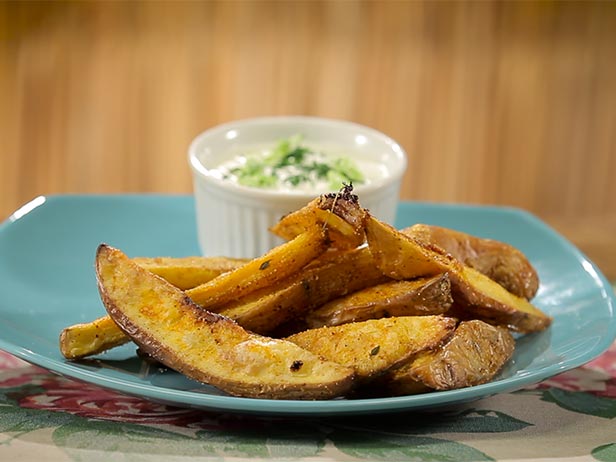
column 475, row 353
column 208, row 347
column 400, row 256
column 423, row 296
column 499, row 261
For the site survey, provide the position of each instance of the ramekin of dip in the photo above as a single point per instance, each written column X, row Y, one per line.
column 249, row 173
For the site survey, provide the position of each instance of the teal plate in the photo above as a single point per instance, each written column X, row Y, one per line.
column 47, row 283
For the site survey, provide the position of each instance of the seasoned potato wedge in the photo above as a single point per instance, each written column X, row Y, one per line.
column 86, row 339
column 499, row 261
column 339, row 212
column 421, row 296
column 377, row 345
column 188, row 272
column 94, row 337
column 333, row 275
column 277, row 264
column 207, row 347
column 475, row 353
column 477, row 296
column 401, row 257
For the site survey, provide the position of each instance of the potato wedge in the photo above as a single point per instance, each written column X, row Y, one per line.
column 423, row 296
column 402, row 257
column 477, row 296
column 91, row 338
column 207, row 347
column 274, row 266
column 339, row 212
column 94, row 337
column 333, row 275
column 188, row 272
column 499, row 261
column 475, row 353
column 377, row 345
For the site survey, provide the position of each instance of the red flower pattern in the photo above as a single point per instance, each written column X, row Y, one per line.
column 597, row 377
column 60, row 394
column 90, row 401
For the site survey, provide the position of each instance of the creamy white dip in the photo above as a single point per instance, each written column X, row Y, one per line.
column 292, row 165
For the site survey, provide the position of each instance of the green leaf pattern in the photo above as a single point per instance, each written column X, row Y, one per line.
column 34, row 403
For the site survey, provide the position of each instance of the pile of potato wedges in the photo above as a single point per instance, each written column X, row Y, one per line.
column 347, row 306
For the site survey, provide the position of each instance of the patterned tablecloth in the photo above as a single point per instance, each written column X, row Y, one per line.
column 570, row 417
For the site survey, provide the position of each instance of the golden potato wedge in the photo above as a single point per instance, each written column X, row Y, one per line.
column 498, row 260
column 333, row 275
column 81, row 340
column 339, row 212
column 274, row 266
column 188, row 272
column 423, row 296
column 475, row 353
column 207, row 347
column 94, row 337
column 377, row 345
column 477, row 296
column 402, row 257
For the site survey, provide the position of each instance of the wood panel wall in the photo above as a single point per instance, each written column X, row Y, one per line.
column 509, row 103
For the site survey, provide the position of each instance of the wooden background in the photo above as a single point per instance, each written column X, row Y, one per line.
column 509, row 103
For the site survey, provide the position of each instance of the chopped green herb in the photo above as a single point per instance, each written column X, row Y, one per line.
column 294, row 164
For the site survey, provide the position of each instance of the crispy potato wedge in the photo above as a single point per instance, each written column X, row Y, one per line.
column 94, row 337
column 402, row 257
column 475, row 353
column 423, row 296
column 499, row 261
column 339, row 212
column 477, row 296
column 188, row 272
column 207, row 347
column 333, row 275
column 277, row 264
column 377, row 345
column 91, row 338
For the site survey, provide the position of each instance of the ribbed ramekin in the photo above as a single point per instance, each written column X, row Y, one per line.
column 234, row 220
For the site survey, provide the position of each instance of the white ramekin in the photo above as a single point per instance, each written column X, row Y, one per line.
column 234, row 220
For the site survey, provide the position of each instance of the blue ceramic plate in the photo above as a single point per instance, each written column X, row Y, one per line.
column 47, row 282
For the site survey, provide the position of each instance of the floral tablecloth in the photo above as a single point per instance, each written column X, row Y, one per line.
column 570, row 417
